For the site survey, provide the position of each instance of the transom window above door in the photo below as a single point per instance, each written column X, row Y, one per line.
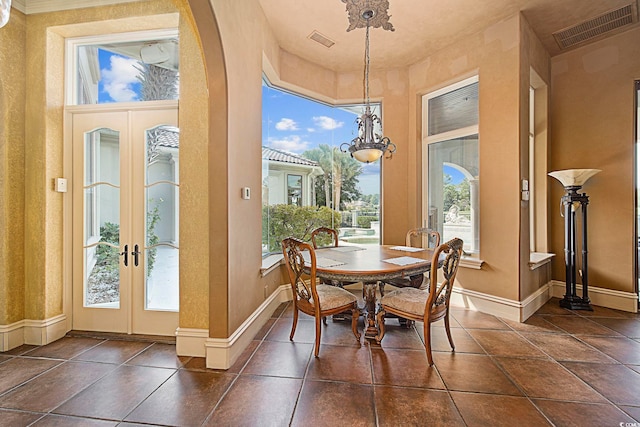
column 131, row 67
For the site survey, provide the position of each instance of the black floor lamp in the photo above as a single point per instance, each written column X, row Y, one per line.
column 572, row 180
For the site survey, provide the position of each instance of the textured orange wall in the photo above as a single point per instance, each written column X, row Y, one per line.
column 492, row 54
column 592, row 126
column 12, row 153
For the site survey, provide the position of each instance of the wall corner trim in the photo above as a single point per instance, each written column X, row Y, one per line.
column 221, row 353
column 32, row 332
column 191, row 342
column 518, row 311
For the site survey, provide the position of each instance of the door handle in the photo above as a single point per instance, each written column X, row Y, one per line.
column 135, row 254
column 126, row 255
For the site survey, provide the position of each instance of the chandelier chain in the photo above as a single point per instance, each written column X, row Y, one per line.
column 366, row 66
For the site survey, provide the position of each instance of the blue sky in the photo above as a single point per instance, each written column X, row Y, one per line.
column 118, row 81
column 295, row 124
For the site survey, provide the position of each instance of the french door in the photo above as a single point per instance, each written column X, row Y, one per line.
column 125, row 217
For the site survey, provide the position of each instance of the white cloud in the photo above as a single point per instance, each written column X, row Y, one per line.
column 119, row 79
column 311, row 130
column 327, row 123
column 286, row 124
column 292, row 144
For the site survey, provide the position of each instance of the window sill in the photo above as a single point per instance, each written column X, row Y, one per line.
column 270, row 263
column 538, row 259
column 471, row 262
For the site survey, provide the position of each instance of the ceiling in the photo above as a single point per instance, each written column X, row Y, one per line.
column 422, row 27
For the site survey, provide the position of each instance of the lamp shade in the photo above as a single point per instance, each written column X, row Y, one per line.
column 367, row 155
column 573, row 177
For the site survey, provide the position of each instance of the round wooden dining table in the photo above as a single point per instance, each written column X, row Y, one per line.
column 370, row 264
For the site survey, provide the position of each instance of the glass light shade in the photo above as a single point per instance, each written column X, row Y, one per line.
column 573, row 177
column 5, row 8
column 367, row 155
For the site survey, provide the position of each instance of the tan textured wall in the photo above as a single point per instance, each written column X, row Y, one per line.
column 194, row 176
column 44, row 112
column 12, row 155
column 592, row 125
column 244, row 33
column 493, row 54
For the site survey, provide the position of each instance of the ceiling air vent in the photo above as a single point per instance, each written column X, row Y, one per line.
column 597, row 26
column 324, row 41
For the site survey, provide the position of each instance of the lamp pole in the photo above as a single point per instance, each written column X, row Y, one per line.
column 570, row 200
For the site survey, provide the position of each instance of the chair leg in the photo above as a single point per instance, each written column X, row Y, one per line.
column 355, row 315
column 427, row 341
column 380, row 319
column 381, row 287
column 324, row 320
column 318, row 335
column 295, row 323
column 448, row 329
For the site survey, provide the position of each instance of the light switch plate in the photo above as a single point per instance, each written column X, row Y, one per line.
column 246, row 193
column 60, row 185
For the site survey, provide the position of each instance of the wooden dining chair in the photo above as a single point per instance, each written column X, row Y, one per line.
column 428, row 305
column 315, row 299
column 415, row 239
column 324, row 237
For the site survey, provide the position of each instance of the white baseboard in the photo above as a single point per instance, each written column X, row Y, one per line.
column 221, row 353
column 190, row 342
column 521, row 310
column 32, row 332
column 618, row 300
column 518, row 311
column 11, row 336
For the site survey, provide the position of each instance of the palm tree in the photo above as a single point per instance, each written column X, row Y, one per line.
column 338, row 169
column 157, row 83
column 345, row 169
column 324, row 156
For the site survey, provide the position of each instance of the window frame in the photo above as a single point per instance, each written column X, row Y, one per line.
column 269, row 258
column 71, row 71
column 470, row 260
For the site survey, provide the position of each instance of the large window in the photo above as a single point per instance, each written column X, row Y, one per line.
column 452, row 167
column 307, row 182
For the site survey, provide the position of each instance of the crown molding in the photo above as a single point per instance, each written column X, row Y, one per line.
column 20, row 5
column 43, row 6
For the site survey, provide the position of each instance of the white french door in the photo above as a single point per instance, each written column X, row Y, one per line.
column 125, row 217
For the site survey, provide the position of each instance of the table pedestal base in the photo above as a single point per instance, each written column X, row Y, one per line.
column 369, row 292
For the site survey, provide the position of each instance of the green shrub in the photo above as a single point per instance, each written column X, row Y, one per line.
column 283, row 221
column 365, row 221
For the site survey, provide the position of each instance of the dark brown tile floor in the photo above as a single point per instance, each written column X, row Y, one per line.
column 559, row 368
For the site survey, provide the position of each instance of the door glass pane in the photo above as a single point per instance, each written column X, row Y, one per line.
column 162, row 220
column 101, row 243
column 453, row 190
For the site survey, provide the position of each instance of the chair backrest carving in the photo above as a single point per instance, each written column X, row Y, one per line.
column 415, row 236
column 324, row 236
column 293, row 250
column 440, row 293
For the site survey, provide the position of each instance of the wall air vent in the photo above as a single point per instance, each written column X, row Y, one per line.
column 324, row 41
column 597, row 26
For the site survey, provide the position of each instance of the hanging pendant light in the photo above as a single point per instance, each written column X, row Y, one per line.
column 368, row 146
column 5, row 9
